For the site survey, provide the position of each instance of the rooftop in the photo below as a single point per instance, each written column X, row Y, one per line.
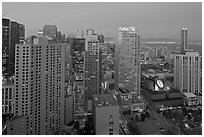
column 189, row 95
column 151, row 127
column 8, row 82
column 195, row 131
column 123, row 90
column 105, row 100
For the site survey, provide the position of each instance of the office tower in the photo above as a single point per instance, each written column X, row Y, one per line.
column 187, row 72
column 128, row 60
column 50, row 31
column 105, row 114
column 92, row 68
column 12, row 33
column 5, row 46
column 7, row 97
column 40, row 85
column 184, row 35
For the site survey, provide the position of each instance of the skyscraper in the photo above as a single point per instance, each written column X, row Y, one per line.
column 5, row 46
column 184, row 34
column 40, row 85
column 92, row 67
column 128, row 60
column 187, row 72
column 12, row 33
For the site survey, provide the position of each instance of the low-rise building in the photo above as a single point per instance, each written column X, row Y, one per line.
column 191, row 99
column 7, row 97
column 128, row 102
column 105, row 114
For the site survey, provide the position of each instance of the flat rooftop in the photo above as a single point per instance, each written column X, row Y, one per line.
column 102, row 100
column 169, row 90
column 123, row 90
column 189, row 95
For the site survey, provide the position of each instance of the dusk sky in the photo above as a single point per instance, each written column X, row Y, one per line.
column 152, row 20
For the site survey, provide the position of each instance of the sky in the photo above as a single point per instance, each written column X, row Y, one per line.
column 152, row 20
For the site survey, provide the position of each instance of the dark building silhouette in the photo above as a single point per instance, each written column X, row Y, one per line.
column 12, row 33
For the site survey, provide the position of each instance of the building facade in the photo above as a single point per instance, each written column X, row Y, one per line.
column 40, row 85
column 105, row 115
column 187, row 72
column 128, row 60
column 92, row 68
column 12, row 33
column 7, row 98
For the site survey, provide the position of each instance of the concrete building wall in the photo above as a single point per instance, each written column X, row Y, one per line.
column 40, row 83
column 103, row 120
column 8, row 98
column 187, row 72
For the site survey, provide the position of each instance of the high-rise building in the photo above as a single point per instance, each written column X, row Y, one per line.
column 184, row 35
column 187, row 72
column 12, row 33
column 5, row 46
column 50, row 31
column 105, row 114
column 40, row 85
column 69, row 100
column 128, row 60
column 92, row 67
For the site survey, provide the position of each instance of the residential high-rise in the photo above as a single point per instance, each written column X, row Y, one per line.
column 105, row 114
column 40, row 85
column 12, row 33
column 92, row 67
column 184, row 35
column 187, row 72
column 127, row 65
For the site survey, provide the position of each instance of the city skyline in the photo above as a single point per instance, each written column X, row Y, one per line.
column 152, row 20
column 102, row 69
